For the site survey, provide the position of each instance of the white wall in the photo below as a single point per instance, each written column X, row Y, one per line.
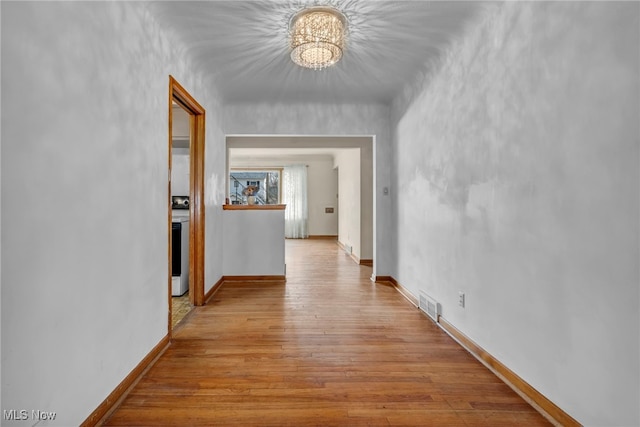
column 349, row 198
column 180, row 171
column 1, row 406
column 322, row 183
column 180, row 122
column 335, row 120
column 322, row 180
column 85, row 152
column 180, row 153
column 253, row 243
column 517, row 182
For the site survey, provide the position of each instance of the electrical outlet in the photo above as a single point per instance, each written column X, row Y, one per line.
column 461, row 299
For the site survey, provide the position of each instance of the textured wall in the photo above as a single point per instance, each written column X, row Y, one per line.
column 333, row 120
column 517, row 180
column 84, row 198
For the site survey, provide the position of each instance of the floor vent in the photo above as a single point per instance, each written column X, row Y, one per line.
column 430, row 306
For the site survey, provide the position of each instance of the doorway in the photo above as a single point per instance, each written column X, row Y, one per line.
column 352, row 156
column 193, row 216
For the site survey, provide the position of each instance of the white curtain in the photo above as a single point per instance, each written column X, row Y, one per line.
column 294, row 195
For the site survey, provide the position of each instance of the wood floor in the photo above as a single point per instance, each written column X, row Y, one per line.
column 328, row 348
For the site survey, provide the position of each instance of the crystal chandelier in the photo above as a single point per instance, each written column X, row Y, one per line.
column 317, row 37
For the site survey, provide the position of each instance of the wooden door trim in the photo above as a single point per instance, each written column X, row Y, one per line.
column 196, row 192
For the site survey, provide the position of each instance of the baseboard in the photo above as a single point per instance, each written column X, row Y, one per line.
column 323, row 237
column 105, row 409
column 403, row 291
column 536, row 399
column 367, row 262
column 276, row 278
column 213, row 290
column 240, row 279
column 406, row 293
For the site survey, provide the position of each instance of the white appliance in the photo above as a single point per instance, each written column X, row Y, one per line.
column 180, row 255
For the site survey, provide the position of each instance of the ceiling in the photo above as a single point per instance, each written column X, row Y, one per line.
column 244, row 46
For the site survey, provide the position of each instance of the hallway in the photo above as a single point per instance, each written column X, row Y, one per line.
column 329, row 347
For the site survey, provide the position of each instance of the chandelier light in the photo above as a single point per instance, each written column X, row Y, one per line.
column 317, row 37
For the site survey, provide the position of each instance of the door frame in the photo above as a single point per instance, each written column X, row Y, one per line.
column 196, row 112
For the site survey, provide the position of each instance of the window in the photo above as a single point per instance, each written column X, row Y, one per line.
column 264, row 182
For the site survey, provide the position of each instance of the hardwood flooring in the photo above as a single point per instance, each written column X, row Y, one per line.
column 328, row 348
